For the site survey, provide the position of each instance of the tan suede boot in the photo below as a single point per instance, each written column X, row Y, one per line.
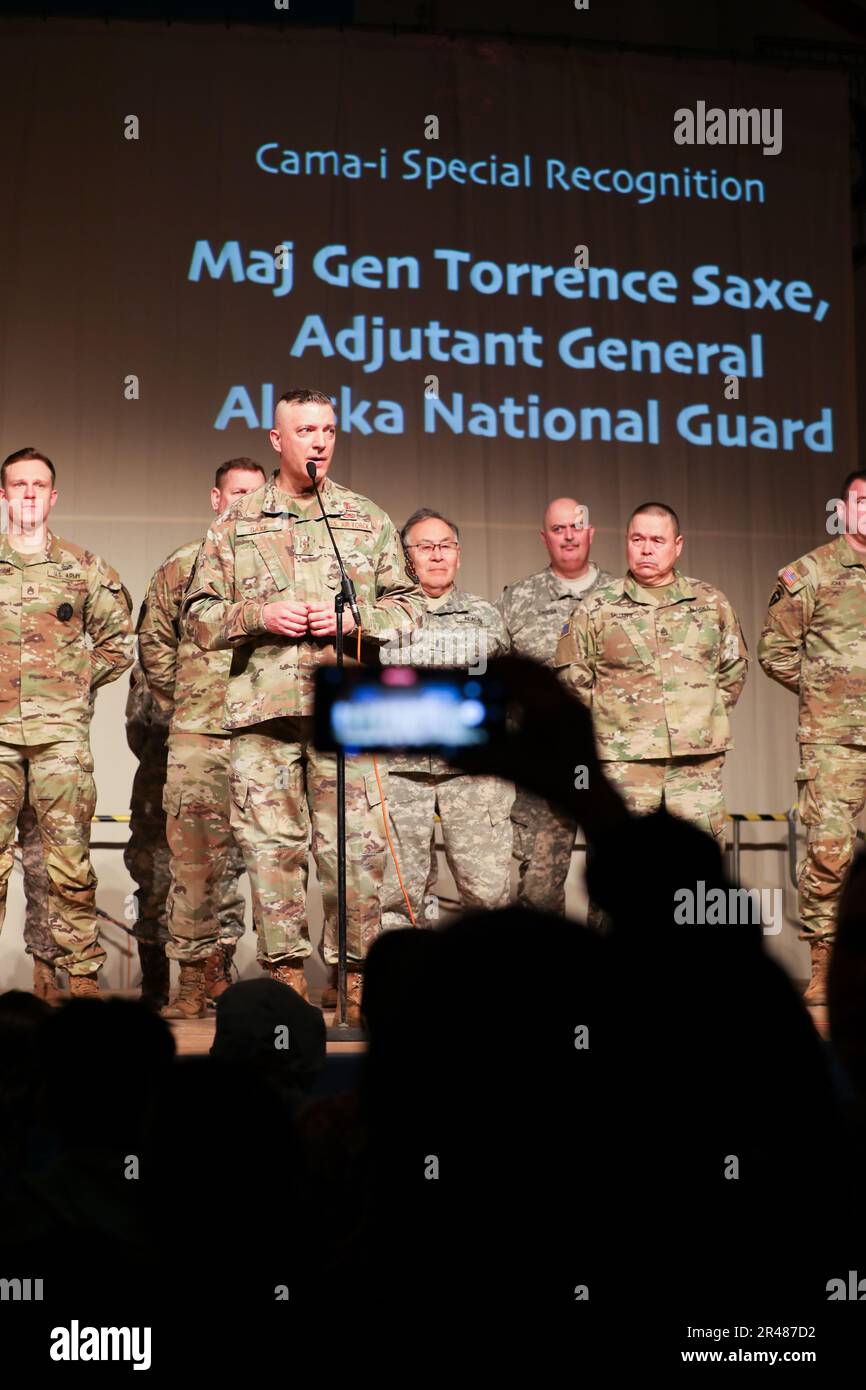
column 85, row 986
column 45, row 982
column 191, row 999
column 218, row 970
column 354, row 985
column 289, row 973
column 816, row 990
column 329, row 993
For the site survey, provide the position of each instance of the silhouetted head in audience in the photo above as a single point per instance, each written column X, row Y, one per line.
column 268, row 1025
column 100, row 1061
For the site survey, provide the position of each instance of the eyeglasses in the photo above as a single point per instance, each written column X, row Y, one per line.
column 427, row 547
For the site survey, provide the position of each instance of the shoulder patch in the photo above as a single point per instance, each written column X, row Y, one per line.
column 793, row 577
column 564, row 629
column 776, row 595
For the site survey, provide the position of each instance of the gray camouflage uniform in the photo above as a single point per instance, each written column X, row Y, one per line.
column 535, row 610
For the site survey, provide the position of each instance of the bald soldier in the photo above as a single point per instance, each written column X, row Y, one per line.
column 65, row 630
column 187, row 687
column 534, row 611
column 264, row 587
column 460, row 630
column 660, row 660
column 814, row 643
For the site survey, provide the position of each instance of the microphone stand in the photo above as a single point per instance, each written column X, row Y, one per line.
column 340, row 1032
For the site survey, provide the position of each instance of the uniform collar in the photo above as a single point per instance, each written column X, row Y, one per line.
column 10, row 556
column 560, row 587
column 278, row 503
column 674, row 592
column 848, row 555
column 456, row 601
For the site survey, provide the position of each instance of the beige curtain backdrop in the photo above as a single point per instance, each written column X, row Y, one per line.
column 97, row 239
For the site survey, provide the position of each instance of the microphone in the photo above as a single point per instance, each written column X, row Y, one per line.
column 346, row 585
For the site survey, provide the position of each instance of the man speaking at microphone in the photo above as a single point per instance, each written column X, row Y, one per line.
column 264, row 584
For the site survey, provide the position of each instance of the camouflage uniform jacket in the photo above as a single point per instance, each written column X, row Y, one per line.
column 465, row 631
column 187, row 683
column 536, row 608
column 814, row 642
column 660, row 669
column 64, row 630
column 267, row 547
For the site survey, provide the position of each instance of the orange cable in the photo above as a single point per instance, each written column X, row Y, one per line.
column 384, row 806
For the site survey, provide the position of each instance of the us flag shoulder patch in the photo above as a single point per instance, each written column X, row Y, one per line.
column 789, row 575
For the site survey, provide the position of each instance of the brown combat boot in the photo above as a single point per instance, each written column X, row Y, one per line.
column 816, row 990
column 218, row 970
column 354, row 983
column 85, row 986
column 191, row 999
column 45, row 982
column 154, row 973
column 329, row 993
column 289, row 973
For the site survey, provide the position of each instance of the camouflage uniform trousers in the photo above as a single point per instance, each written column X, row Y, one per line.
column 474, row 813
column 282, row 787
column 147, row 855
column 543, row 840
column 832, row 794
column 204, row 901
column 63, row 797
column 690, row 788
column 38, row 940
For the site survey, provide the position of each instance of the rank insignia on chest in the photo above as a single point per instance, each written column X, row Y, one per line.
column 30, row 590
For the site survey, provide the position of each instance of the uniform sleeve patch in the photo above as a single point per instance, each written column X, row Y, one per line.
column 564, row 630
column 731, row 649
column 776, row 595
column 789, row 576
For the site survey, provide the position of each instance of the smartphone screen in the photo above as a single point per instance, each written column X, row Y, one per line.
column 399, row 708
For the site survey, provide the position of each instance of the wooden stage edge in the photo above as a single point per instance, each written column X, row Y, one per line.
column 193, row 1036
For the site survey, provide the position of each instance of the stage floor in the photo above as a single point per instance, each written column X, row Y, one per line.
column 193, row 1036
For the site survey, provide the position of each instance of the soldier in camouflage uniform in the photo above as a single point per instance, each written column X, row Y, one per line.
column 535, row 610
column 264, row 587
column 814, row 643
column 187, row 686
column 64, row 631
column 661, row 660
column 461, row 630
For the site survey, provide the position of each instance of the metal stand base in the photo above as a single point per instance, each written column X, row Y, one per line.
column 341, row 1032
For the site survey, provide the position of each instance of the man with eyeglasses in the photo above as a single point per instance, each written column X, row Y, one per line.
column 466, row 631
column 535, row 610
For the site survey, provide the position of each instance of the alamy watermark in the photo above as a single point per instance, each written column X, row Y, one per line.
column 736, row 126
column 721, row 907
